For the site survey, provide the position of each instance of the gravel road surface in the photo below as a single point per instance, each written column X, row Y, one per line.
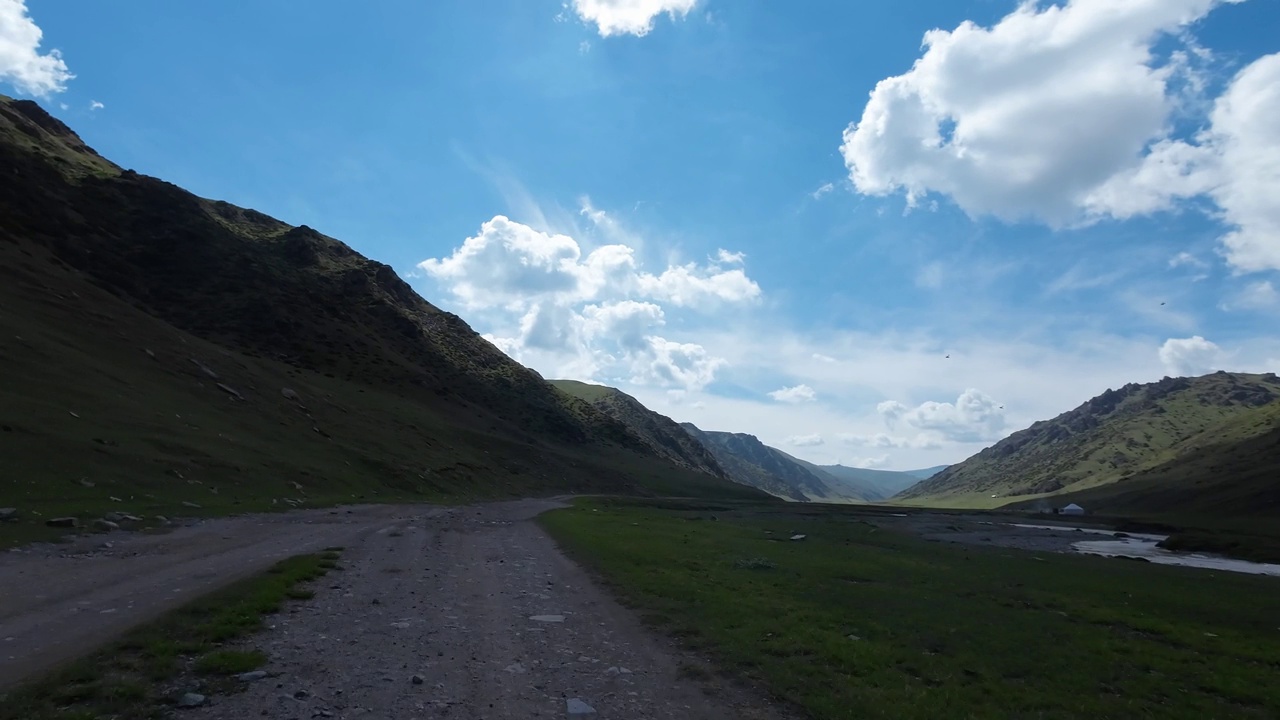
column 465, row 613
column 58, row 601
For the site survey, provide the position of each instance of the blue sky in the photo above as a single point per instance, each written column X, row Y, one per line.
column 881, row 234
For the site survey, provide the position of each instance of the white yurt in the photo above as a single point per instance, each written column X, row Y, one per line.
column 1072, row 509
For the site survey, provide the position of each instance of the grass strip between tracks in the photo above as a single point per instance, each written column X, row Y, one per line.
column 191, row 649
column 857, row 621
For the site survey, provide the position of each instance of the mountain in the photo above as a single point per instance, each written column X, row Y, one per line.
column 926, row 473
column 882, row 483
column 750, row 462
column 1151, row 436
column 161, row 348
column 659, row 433
column 1233, row 470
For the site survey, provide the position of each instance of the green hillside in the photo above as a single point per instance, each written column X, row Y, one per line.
column 1115, row 443
column 1228, row 477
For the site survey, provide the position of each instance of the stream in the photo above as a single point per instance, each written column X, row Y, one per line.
column 1143, row 545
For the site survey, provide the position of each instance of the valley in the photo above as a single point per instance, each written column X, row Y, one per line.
column 194, row 391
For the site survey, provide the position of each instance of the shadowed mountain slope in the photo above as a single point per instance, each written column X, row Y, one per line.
column 160, row 347
column 659, row 433
column 750, row 462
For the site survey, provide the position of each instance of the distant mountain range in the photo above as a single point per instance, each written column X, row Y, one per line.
column 751, row 462
column 1206, row 444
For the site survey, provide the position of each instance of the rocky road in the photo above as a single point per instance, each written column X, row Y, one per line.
column 57, row 601
column 469, row 613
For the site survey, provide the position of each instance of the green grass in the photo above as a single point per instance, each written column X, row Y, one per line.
column 230, row 662
column 859, row 622
column 135, row 677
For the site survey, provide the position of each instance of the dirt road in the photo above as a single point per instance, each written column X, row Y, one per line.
column 56, row 601
column 463, row 613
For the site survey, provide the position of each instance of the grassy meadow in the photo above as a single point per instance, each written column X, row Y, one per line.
column 860, row 622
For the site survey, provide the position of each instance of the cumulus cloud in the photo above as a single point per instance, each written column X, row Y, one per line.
column 1064, row 114
column 685, row 365
column 510, row 262
column 1027, row 118
column 796, row 394
column 1246, row 138
column 881, row 440
column 870, row 463
column 597, row 312
column 973, row 417
column 21, row 62
column 1190, row 356
column 805, row 440
column 629, row 17
column 892, row 411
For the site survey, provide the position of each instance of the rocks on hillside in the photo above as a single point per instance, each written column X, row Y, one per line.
column 64, row 522
column 8, row 514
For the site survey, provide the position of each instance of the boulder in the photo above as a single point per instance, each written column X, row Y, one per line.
column 191, row 700
column 290, row 394
column 66, row 522
column 105, row 525
column 8, row 514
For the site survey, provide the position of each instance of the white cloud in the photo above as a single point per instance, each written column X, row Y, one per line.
column 690, row 285
column 1034, row 116
column 629, row 17
column 1255, row 296
column 1246, row 135
column 509, row 262
column 589, row 315
column 892, row 411
column 684, row 365
column 824, row 358
column 871, row 463
column 973, row 417
column 805, row 440
column 881, row 440
column 725, row 257
column 822, row 190
column 1186, row 259
column 95, row 105
column 1190, row 356
column 797, row 394
column 21, row 62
